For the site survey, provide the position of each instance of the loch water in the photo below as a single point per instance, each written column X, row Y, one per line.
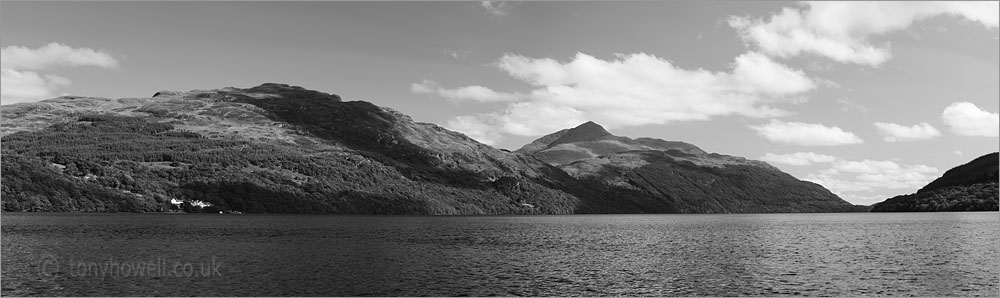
column 831, row 254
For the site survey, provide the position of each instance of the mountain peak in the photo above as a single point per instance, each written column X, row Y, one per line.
column 588, row 131
column 590, row 125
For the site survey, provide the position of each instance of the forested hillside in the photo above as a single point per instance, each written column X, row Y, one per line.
column 339, row 157
column 969, row 187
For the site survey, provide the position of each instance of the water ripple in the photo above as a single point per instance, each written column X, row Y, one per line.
column 906, row 254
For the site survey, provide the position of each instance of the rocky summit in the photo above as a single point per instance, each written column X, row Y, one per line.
column 277, row 148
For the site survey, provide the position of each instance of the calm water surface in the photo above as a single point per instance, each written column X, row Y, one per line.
column 857, row 254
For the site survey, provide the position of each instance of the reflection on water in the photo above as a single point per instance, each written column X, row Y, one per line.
column 859, row 254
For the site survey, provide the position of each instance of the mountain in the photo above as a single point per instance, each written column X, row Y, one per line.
column 277, row 148
column 589, row 140
column 670, row 176
column 273, row 148
column 968, row 187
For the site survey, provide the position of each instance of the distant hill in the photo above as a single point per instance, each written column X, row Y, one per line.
column 968, row 187
column 589, row 140
column 670, row 176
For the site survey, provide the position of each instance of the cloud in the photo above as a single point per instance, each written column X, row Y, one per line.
column 631, row 90
column 967, row 119
column 859, row 181
column 455, row 54
column 53, row 55
column 858, row 199
column 755, row 73
column 28, row 86
column 522, row 118
column 897, row 133
column 476, row 93
column 846, row 176
column 847, row 105
column 840, row 30
column 496, row 8
column 19, row 66
column 805, row 134
column 798, row 158
column 474, row 128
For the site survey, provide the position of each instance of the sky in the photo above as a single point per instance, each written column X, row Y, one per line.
column 869, row 99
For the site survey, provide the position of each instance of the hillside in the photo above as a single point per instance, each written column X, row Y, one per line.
column 589, row 140
column 276, row 148
column 968, row 187
column 272, row 148
column 670, row 176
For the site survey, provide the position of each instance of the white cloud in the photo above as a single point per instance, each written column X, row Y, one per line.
column 425, row 87
column 958, row 152
column 755, row 73
column 455, row 54
column 859, row 199
column 21, row 82
column 476, row 93
column 538, row 118
column 859, row 181
column 522, row 118
column 798, row 158
column 631, row 90
column 847, row 105
column 805, row 134
column 967, row 119
column 840, row 30
column 474, row 128
column 27, row 86
column 849, row 179
column 53, row 55
column 898, row 133
column 496, row 8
